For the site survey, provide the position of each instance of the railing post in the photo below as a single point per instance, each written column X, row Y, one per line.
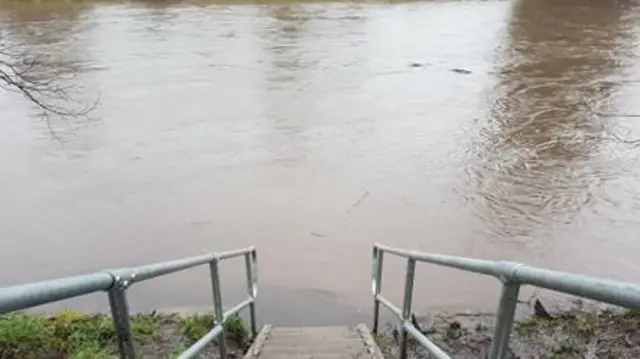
column 217, row 303
column 121, row 320
column 504, row 320
column 406, row 306
column 251, row 265
column 376, row 285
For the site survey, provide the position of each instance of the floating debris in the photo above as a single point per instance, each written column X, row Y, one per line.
column 461, row 71
column 359, row 201
column 418, row 64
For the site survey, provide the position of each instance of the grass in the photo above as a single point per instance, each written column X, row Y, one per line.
column 71, row 334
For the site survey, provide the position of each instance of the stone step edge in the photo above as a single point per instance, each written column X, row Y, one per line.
column 256, row 347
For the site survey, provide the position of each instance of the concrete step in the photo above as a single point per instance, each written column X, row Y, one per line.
column 305, row 339
column 314, row 330
column 314, row 343
column 328, row 345
column 313, row 349
column 313, row 356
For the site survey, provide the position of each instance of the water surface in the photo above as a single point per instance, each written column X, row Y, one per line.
column 312, row 130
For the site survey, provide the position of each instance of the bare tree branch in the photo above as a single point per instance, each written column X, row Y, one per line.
column 43, row 83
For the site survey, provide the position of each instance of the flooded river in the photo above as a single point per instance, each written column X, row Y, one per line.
column 492, row 129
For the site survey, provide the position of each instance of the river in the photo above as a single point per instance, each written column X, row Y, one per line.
column 491, row 129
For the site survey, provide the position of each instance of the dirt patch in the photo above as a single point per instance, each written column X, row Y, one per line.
column 573, row 333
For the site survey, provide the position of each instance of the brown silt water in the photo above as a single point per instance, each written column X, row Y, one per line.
column 488, row 129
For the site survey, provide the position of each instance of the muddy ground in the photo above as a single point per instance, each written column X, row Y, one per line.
column 580, row 333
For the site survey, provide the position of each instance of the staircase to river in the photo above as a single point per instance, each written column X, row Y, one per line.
column 314, row 343
column 317, row 342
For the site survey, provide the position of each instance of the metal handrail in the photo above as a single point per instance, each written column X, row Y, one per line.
column 117, row 281
column 512, row 275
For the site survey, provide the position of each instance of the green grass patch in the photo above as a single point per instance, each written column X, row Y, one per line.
column 80, row 336
column 175, row 352
column 198, row 325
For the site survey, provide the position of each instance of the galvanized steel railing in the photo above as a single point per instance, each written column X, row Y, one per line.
column 116, row 282
column 512, row 275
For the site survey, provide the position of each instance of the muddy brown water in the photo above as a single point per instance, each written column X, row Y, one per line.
column 491, row 129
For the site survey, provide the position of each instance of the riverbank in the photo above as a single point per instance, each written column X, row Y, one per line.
column 75, row 335
column 574, row 333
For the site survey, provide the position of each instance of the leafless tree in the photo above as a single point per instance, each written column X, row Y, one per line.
column 43, row 82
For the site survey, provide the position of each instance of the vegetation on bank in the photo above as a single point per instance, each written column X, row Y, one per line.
column 571, row 334
column 575, row 333
column 71, row 334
